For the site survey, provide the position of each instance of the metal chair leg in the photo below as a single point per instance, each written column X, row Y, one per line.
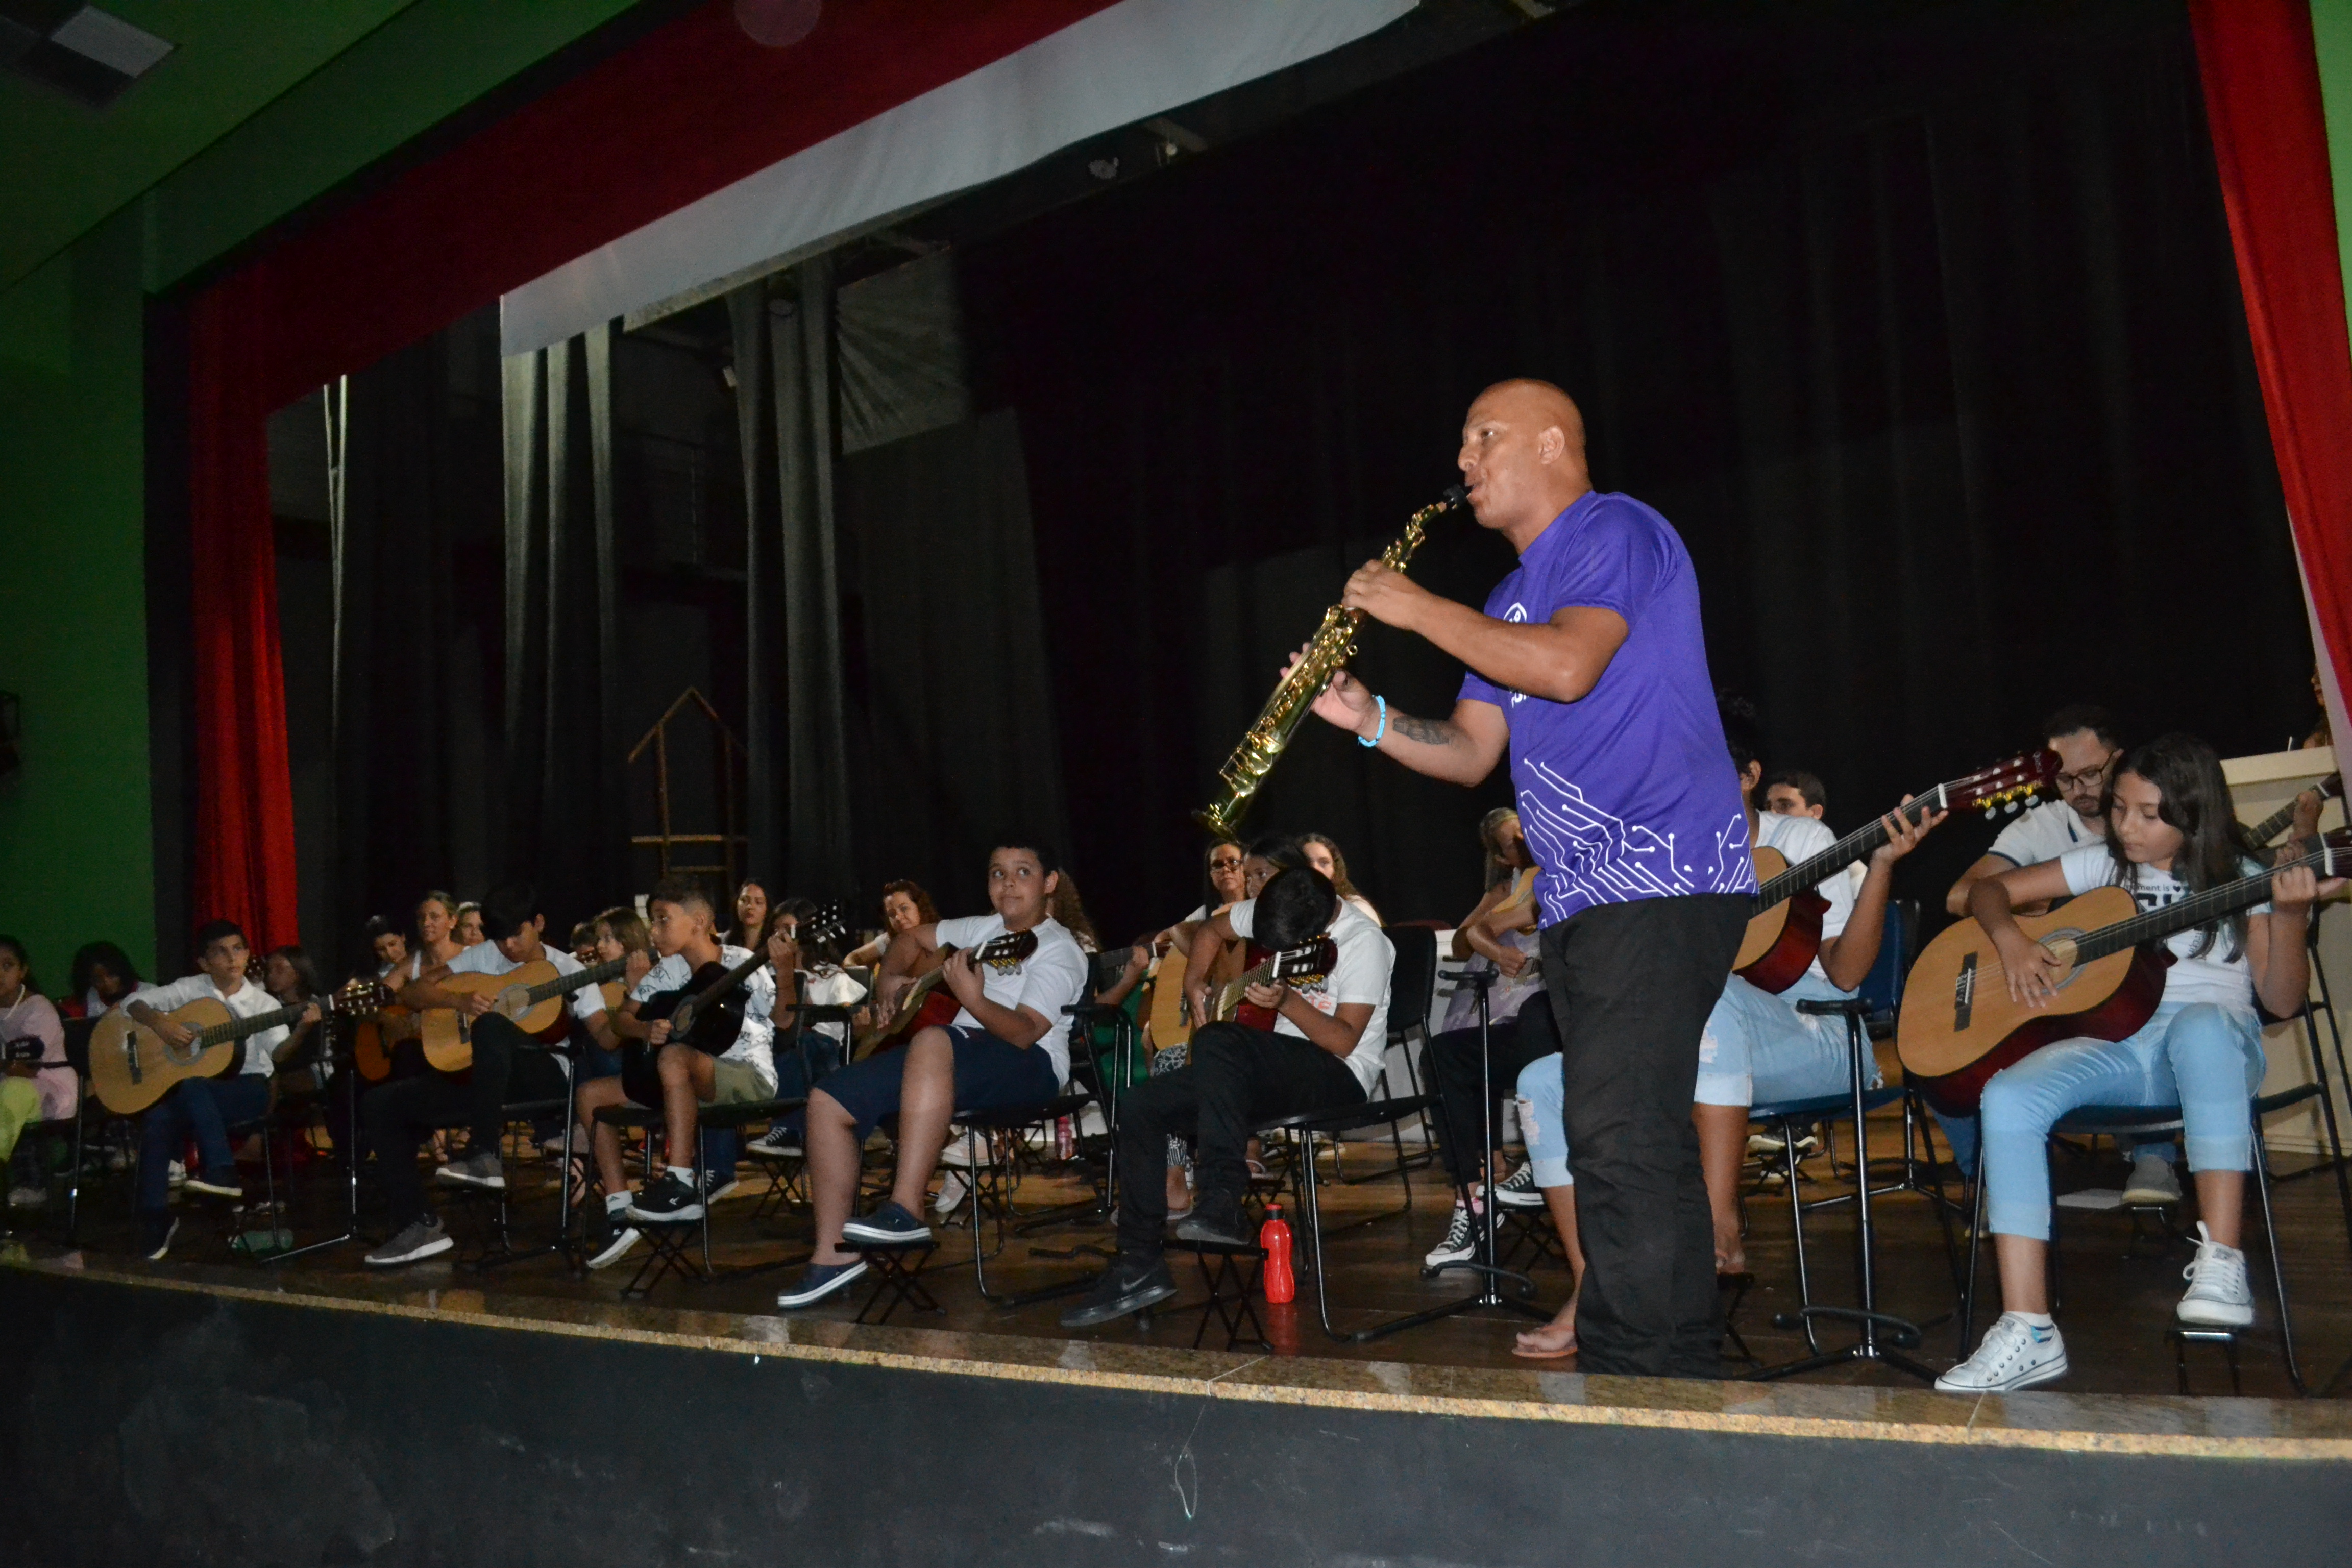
column 2278, row 1268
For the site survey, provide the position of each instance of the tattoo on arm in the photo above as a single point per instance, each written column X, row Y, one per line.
column 1428, row 731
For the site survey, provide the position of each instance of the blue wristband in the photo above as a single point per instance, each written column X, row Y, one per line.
column 1383, row 729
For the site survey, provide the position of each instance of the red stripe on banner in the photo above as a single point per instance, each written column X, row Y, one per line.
column 691, row 109
column 2269, row 144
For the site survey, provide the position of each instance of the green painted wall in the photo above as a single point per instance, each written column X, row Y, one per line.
column 2331, row 29
column 76, row 845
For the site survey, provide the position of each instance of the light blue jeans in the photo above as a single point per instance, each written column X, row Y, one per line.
column 1758, row 1047
column 2204, row 1058
column 1541, row 1091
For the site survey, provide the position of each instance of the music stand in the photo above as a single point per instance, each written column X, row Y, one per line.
column 1901, row 1333
column 1490, row 1274
column 347, row 1068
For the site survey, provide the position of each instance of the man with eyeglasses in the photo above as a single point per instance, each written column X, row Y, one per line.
column 2087, row 740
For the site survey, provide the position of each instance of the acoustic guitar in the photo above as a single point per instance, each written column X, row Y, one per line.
column 530, row 997
column 1960, row 1025
column 1301, row 965
column 930, row 1004
column 2271, row 827
column 1784, row 932
column 132, row 1067
column 706, row 1012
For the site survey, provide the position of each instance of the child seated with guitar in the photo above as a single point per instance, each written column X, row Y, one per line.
column 1319, row 1046
column 1005, row 1044
column 725, row 1058
column 202, row 1107
column 399, row 1117
column 2171, row 836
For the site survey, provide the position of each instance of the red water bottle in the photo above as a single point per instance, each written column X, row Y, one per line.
column 1274, row 1237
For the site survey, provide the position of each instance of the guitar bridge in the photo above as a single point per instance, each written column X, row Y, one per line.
column 1964, row 994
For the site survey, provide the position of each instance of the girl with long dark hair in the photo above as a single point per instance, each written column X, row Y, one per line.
column 2170, row 834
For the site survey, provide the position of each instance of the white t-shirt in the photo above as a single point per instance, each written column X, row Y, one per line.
column 1365, row 955
column 2220, row 977
column 2048, row 829
column 1048, row 980
column 489, row 958
column 755, row 1041
column 1798, row 839
column 830, row 986
column 247, row 1000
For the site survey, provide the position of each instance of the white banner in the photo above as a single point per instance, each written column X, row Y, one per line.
column 1123, row 64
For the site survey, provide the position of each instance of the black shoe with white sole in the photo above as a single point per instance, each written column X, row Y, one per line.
column 610, row 1234
column 1215, row 1224
column 1125, row 1287
column 821, row 1279
column 156, row 1236
column 672, row 1198
column 476, row 1170
column 889, row 1225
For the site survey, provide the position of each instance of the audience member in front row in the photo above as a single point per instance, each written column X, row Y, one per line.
column 103, row 975
column 1323, row 1053
column 2170, row 835
column 401, row 1115
column 1322, row 852
column 471, row 929
column 204, row 1108
column 1499, row 937
column 1793, row 792
column 2087, row 739
column 40, row 1090
column 1008, row 1046
column 676, row 1075
column 752, row 907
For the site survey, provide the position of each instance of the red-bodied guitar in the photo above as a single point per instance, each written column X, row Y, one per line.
column 929, row 1003
column 1961, row 1026
column 1784, row 933
column 1300, row 965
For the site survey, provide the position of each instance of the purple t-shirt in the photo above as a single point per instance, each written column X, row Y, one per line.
column 1628, row 793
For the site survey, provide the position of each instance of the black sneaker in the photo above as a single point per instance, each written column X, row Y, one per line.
column 476, row 1170
column 780, row 1142
column 889, row 1225
column 1519, row 1190
column 1124, row 1288
column 821, row 1279
column 419, row 1238
column 156, row 1234
column 672, row 1198
column 1215, row 1224
column 217, row 1184
column 610, row 1236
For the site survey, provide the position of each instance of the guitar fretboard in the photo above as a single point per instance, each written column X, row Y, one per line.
column 565, row 984
column 2212, row 905
column 2271, row 827
column 1855, row 845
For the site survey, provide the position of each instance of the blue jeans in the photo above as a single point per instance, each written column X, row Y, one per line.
column 2204, row 1058
column 1758, row 1047
column 208, row 1108
column 1541, row 1094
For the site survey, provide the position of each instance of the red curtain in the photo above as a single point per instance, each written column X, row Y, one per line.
column 691, row 108
column 2270, row 144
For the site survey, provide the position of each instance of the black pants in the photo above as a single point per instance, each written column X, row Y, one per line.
column 1449, row 1064
column 1632, row 986
column 399, row 1117
column 1238, row 1078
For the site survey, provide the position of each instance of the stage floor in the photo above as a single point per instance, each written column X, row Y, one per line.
column 2119, row 1279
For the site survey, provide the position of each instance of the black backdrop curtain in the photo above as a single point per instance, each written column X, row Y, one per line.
column 566, row 812
column 1918, row 321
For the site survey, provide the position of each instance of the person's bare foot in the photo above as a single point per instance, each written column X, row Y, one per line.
column 1554, row 1341
column 1180, row 1197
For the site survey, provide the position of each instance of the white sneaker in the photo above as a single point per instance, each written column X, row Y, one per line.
column 1460, row 1244
column 958, row 1149
column 2218, row 1294
column 953, row 1188
column 179, row 1175
column 2014, row 1355
column 2153, row 1180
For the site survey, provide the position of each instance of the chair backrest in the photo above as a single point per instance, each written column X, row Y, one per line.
column 1412, row 980
column 77, row 1034
column 1883, row 986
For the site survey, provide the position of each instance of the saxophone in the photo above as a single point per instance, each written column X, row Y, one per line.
column 1333, row 646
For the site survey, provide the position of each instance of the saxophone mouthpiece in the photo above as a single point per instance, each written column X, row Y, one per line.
column 1457, row 495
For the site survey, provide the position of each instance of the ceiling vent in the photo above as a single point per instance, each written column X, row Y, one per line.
column 91, row 56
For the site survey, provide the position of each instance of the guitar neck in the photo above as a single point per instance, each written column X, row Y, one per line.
column 240, row 1029
column 2277, row 821
column 2200, row 909
column 731, row 979
column 1859, row 845
column 1229, row 994
column 565, row 984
